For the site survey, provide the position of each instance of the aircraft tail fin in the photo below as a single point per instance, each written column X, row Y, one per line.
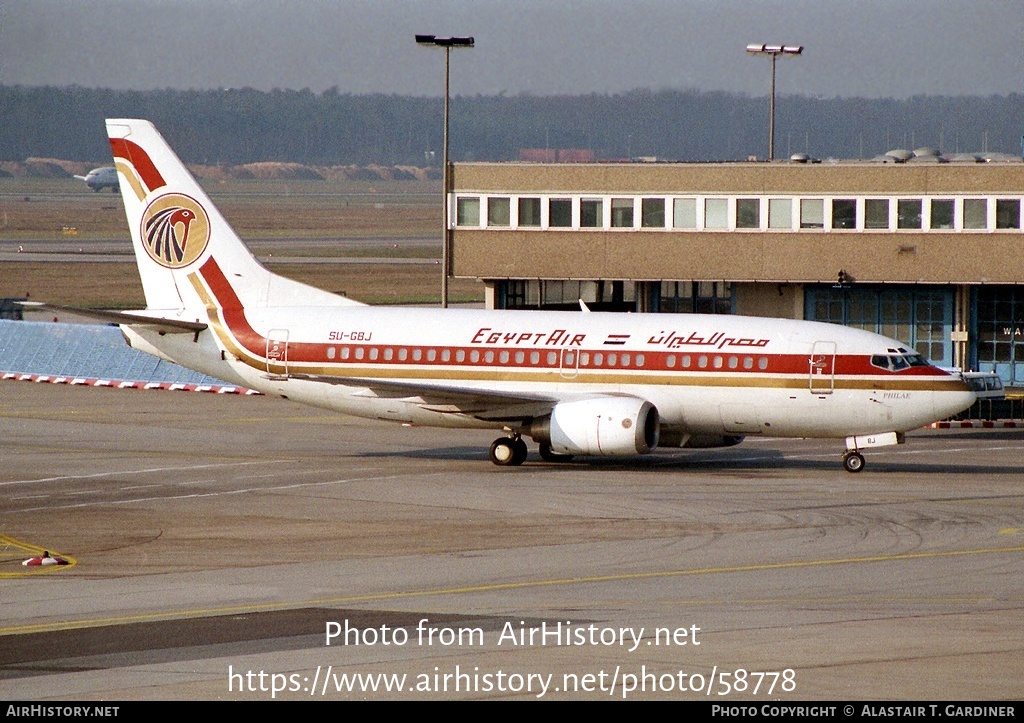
column 177, row 232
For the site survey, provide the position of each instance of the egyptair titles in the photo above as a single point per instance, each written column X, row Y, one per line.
column 718, row 339
column 563, row 337
column 557, row 337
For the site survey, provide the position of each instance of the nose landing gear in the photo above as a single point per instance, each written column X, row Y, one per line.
column 853, row 461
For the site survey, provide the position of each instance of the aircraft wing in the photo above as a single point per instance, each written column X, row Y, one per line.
column 480, row 403
column 156, row 323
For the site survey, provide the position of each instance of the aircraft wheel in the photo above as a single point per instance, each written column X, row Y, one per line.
column 521, row 451
column 853, row 461
column 505, row 452
column 548, row 456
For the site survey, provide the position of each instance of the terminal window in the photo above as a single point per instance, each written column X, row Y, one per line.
column 1007, row 213
column 529, row 212
column 684, row 213
column 519, row 293
column 560, row 212
column 498, row 213
column 930, row 315
column 701, row 297
column 920, row 317
column 748, row 213
column 812, row 213
column 652, row 212
column 975, row 213
column 876, row 213
column 1000, row 348
column 908, row 213
column 591, row 213
column 716, row 213
column 467, row 211
column 780, row 213
column 622, row 213
column 844, row 213
column 942, row 213
column 560, row 292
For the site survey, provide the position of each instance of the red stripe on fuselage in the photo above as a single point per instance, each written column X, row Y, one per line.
column 134, row 154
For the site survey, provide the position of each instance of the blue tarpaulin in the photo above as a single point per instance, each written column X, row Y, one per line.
column 84, row 350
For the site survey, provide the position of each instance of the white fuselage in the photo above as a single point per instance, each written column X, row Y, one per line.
column 705, row 374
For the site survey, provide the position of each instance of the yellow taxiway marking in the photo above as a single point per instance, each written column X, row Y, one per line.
column 7, row 542
column 205, row 612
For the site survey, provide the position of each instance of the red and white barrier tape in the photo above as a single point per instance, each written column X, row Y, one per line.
column 172, row 386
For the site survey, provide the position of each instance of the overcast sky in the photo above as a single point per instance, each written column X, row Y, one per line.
column 864, row 48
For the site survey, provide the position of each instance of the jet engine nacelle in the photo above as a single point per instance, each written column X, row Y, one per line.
column 603, row 426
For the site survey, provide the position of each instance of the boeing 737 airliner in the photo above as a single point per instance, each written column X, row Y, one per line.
column 577, row 383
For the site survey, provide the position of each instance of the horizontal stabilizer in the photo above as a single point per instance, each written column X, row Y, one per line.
column 168, row 326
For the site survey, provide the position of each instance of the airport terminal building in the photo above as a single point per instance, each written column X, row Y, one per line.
column 925, row 250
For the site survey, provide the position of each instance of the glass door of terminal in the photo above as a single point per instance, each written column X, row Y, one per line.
column 920, row 317
column 999, row 333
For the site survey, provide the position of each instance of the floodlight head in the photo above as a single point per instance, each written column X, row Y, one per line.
column 455, row 42
column 459, row 42
column 774, row 50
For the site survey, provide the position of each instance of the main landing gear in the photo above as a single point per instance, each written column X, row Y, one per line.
column 511, row 452
column 508, row 451
column 548, row 456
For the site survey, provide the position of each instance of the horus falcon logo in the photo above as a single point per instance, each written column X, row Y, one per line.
column 175, row 230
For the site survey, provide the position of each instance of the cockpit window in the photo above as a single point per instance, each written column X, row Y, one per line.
column 895, row 362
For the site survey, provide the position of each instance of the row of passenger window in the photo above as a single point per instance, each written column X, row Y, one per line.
column 487, row 356
column 727, row 214
column 551, row 358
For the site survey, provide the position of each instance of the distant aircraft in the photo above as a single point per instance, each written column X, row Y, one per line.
column 99, row 178
column 577, row 383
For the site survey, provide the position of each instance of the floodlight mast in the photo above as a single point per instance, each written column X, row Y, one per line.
column 773, row 51
column 447, row 44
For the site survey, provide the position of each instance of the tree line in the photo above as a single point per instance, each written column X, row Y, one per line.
column 237, row 126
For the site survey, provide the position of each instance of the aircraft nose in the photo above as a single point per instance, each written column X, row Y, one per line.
column 950, row 403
